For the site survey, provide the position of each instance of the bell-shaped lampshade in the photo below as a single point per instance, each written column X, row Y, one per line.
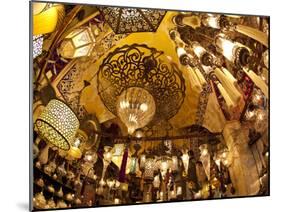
column 57, row 124
column 136, row 108
column 78, row 43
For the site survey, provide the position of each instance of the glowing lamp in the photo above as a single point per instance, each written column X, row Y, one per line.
column 79, row 43
column 57, row 124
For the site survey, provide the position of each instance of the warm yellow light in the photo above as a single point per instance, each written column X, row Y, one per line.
column 57, row 124
column 107, row 156
column 142, row 160
column 78, row 43
column 179, row 190
column 211, row 21
column 38, row 7
column 136, row 108
column 198, row 49
column 227, row 47
column 181, row 51
column 117, row 201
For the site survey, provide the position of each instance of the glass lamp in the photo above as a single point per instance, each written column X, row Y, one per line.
column 142, row 161
column 233, row 51
column 164, row 165
column 174, row 164
column 77, row 145
column 136, row 108
column 78, row 43
column 185, row 161
column 215, row 21
column 205, row 159
column 156, row 181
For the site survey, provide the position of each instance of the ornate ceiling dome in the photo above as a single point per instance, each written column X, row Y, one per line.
column 144, row 67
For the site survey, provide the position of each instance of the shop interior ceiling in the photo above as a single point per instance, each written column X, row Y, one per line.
column 69, row 82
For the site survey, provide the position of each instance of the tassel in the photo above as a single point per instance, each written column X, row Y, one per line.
column 195, row 84
column 229, row 75
column 226, row 82
column 226, row 97
column 200, row 77
column 122, row 173
column 258, row 81
column 253, row 33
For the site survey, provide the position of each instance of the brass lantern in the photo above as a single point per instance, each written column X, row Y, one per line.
column 79, row 43
column 57, row 124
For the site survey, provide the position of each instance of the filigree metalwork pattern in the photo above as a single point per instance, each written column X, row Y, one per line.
column 69, row 82
column 129, row 20
column 141, row 66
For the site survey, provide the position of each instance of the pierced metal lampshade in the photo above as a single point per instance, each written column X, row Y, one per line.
column 129, row 20
column 58, row 124
column 136, row 108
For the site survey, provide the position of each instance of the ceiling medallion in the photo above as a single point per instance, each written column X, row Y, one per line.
column 144, row 67
column 129, row 20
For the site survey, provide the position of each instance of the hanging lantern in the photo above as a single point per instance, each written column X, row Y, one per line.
column 58, row 124
column 175, row 164
column 149, row 168
column 133, row 165
column 215, row 21
column 185, row 161
column 221, row 22
column 79, row 43
column 136, row 108
column 142, row 161
column 156, row 181
column 205, row 159
column 107, row 157
column 233, row 51
column 164, row 165
column 90, row 158
column 179, row 190
column 77, row 146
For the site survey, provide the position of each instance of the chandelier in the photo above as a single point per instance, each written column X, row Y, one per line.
column 136, row 108
column 129, row 20
column 150, row 71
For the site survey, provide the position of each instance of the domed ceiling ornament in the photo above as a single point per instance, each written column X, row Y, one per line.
column 129, row 20
column 143, row 67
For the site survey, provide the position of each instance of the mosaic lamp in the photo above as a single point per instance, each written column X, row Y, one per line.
column 57, row 124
